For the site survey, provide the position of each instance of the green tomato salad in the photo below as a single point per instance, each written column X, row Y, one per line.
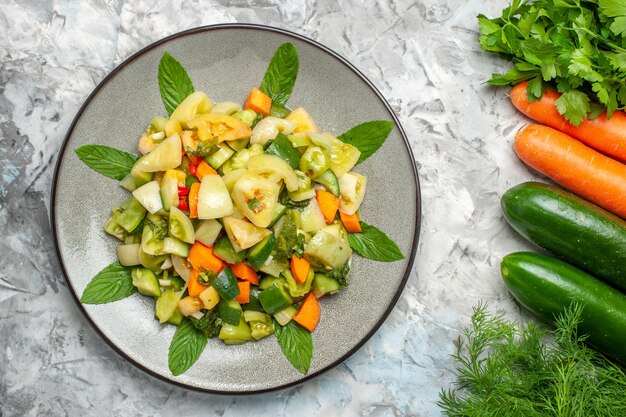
column 239, row 217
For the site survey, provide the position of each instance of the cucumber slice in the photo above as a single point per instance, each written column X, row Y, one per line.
column 226, row 284
column 169, row 193
column 282, row 147
column 275, row 298
column 235, row 335
column 239, row 144
column 229, row 311
column 146, row 282
column 254, row 304
column 141, row 178
column 250, row 315
column 176, row 247
column 219, row 157
column 278, row 213
column 311, row 218
column 176, row 318
column 247, row 116
column 128, row 183
column 224, row 250
column 259, row 253
column 128, row 255
column 167, row 305
column 149, row 195
column 180, row 226
column 207, row 231
column 329, row 180
column 299, row 141
column 274, row 267
column 269, row 281
column 285, row 315
column 323, row 284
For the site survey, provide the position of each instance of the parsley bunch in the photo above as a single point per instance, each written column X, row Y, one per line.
column 576, row 46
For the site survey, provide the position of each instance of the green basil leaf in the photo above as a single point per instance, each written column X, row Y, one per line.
column 296, row 343
column 186, row 347
column 113, row 283
column 174, row 82
column 107, row 161
column 374, row 244
column 281, row 74
column 367, row 137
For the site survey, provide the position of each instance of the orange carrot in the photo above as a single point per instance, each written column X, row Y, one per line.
column 201, row 258
column 193, row 200
column 245, row 272
column 204, row 169
column 351, row 222
column 308, row 314
column 244, row 292
column 258, row 101
column 329, row 204
column 605, row 135
column 193, row 285
column 586, row 172
column 300, row 268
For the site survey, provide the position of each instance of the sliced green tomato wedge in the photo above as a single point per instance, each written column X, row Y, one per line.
column 328, row 249
column 213, row 198
column 195, row 104
column 180, row 226
column 207, row 231
column 149, row 195
column 146, row 282
column 311, row 217
column 269, row 127
column 352, row 187
column 128, row 255
column 342, row 156
column 256, row 197
column 274, row 165
column 231, row 178
column 169, row 193
column 226, row 107
column 151, row 262
column 176, row 247
column 130, row 214
column 243, row 234
column 165, row 156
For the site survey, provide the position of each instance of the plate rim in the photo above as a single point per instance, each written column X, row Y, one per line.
column 208, row 28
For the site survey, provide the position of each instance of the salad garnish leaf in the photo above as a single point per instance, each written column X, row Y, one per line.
column 107, row 161
column 374, row 244
column 186, row 347
column 174, row 82
column 367, row 137
column 113, row 283
column 575, row 47
column 296, row 343
column 281, row 74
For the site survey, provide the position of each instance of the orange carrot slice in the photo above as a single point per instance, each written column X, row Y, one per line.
column 329, row 204
column 258, row 101
column 300, row 268
column 308, row 314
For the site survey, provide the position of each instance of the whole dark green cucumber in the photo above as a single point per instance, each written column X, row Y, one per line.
column 571, row 228
column 546, row 286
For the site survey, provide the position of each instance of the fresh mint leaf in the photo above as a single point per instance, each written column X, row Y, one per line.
column 374, row 244
column 186, row 347
column 296, row 343
column 107, row 161
column 174, row 82
column 367, row 137
column 574, row 106
column 113, row 283
column 281, row 74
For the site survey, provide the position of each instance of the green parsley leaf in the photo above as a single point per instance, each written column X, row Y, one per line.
column 174, row 82
column 281, row 74
column 534, row 90
column 374, row 244
column 186, row 347
column 367, row 137
column 512, row 77
column 113, row 283
column 574, row 106
column 617, row 10
column 107, row 161
column 296, row 343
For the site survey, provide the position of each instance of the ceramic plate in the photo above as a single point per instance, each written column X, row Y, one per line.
column 226, row 61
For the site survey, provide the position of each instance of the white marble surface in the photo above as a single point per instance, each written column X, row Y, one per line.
column 424, row 57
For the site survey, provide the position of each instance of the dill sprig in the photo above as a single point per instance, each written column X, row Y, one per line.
column 510, row 369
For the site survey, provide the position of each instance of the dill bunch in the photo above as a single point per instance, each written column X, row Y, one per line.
column 510, row 369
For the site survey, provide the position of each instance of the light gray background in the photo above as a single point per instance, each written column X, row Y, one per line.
column 425, row 59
